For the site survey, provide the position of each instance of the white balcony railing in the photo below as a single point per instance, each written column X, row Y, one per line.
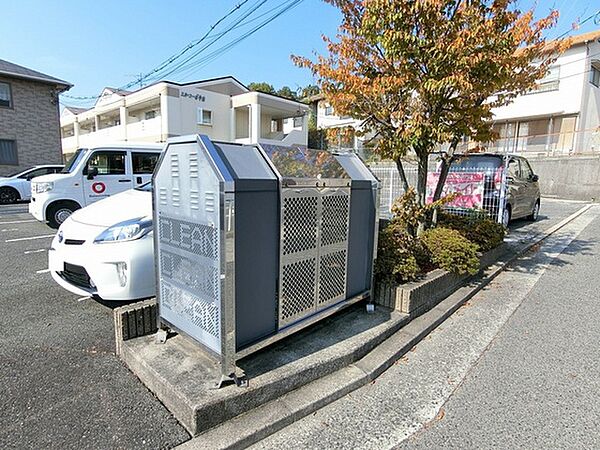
column 144, row 128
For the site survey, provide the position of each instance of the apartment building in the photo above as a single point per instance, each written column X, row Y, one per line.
column 223, row 108
column 29, row 118
column 560, row 116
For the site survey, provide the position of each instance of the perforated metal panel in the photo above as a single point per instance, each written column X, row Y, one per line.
column 189, row 245
column 314, row 243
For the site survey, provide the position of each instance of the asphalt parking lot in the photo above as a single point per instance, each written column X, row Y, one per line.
column 61, row 384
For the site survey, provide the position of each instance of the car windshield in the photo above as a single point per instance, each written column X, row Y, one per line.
column 146, row 187
column 72, row 163
column 14, row 174
column 477, row 162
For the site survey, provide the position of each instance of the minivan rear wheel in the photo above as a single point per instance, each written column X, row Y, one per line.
column 535, row 213
column 58, row 212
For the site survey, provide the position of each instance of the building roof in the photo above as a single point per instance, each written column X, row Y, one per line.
column 15, row 71
column 75, row 110
column 314, row 98
column 121, row 92
column 585, row 37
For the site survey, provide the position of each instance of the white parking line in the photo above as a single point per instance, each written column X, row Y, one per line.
column 43, row 271
column 9, row 229
column 28, row 252
column 30, row 238
column 83, row 298
column 17, row 221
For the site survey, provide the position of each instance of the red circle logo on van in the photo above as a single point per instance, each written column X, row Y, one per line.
column 98, row 188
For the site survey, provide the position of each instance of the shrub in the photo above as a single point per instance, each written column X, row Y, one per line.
column 451, row 251
column 408, row 213
column 400, row 257
column 477, row 228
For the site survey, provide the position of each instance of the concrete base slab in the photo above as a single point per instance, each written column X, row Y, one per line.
column 181, row 375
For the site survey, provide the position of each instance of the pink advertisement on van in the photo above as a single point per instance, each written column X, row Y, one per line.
column 468, row 185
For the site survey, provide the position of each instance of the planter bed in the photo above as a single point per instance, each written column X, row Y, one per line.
column 416, row 297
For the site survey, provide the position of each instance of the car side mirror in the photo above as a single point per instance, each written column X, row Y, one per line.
column 92, row 172
column 534, row 178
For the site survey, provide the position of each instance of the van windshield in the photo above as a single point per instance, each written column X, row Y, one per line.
column 74, row 160
column 475, row 162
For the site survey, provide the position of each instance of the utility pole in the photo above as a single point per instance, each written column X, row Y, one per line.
column 139, row 78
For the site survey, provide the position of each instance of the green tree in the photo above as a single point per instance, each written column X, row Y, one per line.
column 262, row 87
column 420, row 73
column 309, row 91
column 286, row 92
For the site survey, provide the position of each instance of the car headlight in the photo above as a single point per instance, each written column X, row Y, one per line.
column 43, row 186
column 125, row 231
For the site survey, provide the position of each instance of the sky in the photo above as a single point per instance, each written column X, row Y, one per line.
column 93, row 44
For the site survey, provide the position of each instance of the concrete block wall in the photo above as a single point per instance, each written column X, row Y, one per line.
column 33, row 122
column 569, row 177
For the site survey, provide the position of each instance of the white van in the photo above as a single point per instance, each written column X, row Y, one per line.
column 91, row 175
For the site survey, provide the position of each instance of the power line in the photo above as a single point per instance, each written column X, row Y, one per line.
column 193, row 66
column 171, row 59
column 200, row 50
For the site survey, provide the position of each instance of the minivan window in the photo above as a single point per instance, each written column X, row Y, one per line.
column 73, row 161
column 143, row 163
column 107, row 163
column 476, row 162
column 514, row 170
column 526, row 171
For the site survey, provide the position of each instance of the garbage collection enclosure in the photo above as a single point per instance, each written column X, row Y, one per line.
column 253, row 242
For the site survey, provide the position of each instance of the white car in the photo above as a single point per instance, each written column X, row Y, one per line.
column 17, row 186
column 105, row 250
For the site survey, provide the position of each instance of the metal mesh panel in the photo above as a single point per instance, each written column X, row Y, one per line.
column 314, row 233
column 332, row 277
column 199, row 239
column 299, row 224
column 202, row 279
column 334, row 225
column 203, row 314
column 297, row 289
column 190, row 275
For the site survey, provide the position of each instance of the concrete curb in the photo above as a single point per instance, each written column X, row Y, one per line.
column 249, row 428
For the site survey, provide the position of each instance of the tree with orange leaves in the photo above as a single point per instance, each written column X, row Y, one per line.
column 420, row 73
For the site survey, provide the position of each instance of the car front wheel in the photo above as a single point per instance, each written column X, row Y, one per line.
column 8, row 195
column 59, row 212
column 535, row 213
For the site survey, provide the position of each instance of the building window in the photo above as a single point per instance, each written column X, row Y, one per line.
column 204, row 116
column 8, row 153
column 298, row 121
column 149, row 115
column 5, row 95
column 594, row 73
column 550, row 81
column 329, row 110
